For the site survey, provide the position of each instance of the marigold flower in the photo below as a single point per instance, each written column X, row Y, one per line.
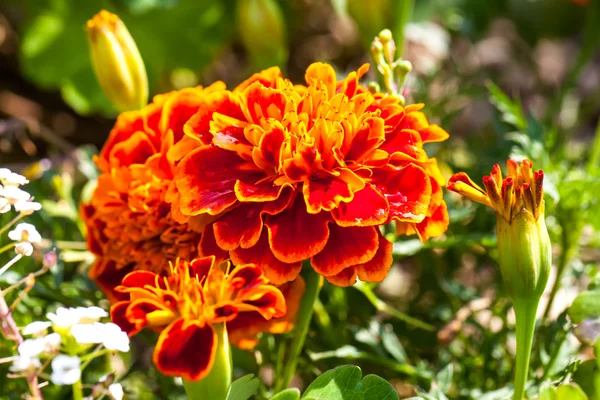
column 185, row 305
column 293, row 173
column 524, row 248
column 130, row 225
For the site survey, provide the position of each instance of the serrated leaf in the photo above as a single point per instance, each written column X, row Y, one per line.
column 344, row 383
column 585, row 306
column 288, row 394
column 243, row 388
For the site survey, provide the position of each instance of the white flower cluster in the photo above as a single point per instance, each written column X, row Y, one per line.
column 74, row 329
column 12, row 195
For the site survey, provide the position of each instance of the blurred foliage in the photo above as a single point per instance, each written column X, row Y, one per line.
column 450, row 284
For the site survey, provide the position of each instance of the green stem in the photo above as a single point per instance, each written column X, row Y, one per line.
column 303, row 317
column 525, row 325
column 215, row 386
column 404, row 13
column 11, row 223
column 380, row 305
column 77, row 390
column 7, row 247
column 595, row 152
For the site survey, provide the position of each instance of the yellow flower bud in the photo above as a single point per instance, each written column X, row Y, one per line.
column 117, row 62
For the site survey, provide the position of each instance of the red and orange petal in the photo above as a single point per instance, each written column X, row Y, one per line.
column 243, row 331
column 350, row 159
column 186, row 349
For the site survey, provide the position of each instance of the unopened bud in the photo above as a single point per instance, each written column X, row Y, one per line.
column 262, row 31
column 117, row 62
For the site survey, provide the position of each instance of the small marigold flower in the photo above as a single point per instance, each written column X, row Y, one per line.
column 524, row 248
column 523, row 242
column 185, row 305
column 292, row 173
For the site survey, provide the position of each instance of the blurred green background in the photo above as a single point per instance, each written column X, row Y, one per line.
column 542, row 57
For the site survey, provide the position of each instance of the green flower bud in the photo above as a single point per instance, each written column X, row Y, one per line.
column 524, row 255
column 117, row 62
column 262, row 31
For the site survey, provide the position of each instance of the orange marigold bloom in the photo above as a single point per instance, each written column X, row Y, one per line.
column 308, row 172
column 130, row 224
column 185, row 305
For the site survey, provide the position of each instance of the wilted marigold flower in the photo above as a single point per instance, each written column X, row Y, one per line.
column 309, row 172
column 130, row 224
column 186, row 305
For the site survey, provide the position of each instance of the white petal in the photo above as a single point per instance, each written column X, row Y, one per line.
column 25, row 232
column 22, row 363
column 37, row 328
column 27, row 207
column 24, row 249
column 88, row 315
column 65, row 370
column 52, row 343
column 14, row 194
column 31, row 347
column 116, row 391
column 87, row 333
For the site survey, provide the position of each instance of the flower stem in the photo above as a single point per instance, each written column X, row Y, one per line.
column 11, row 223
column 77, row 390
column 7, row 247
column 525, row 325
column 215, row 386
column 303, row 317
column 404, row 12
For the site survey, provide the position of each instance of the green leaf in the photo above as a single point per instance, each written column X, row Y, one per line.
column 512, row 112
column 243, row 388
column 585, row 306
column 444, row 378
column 392, row 344
column 344, row 383
column 288, row 394
column 565, row 392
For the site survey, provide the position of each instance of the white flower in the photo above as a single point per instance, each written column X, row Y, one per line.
column 65, row 370
column 63, row 318
column 25, row 364
column 52, row 343
column 13, row 194
column 27, row 207
column 10, row 178
column 113, row 338
column 116, row 391
column 67, row 317
column 88, row 315
column 37, row 328
column 24, row 249
column 87, row 333
column 110, row 335
column 31, row 347
column 4, row 205
column 26, row 233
